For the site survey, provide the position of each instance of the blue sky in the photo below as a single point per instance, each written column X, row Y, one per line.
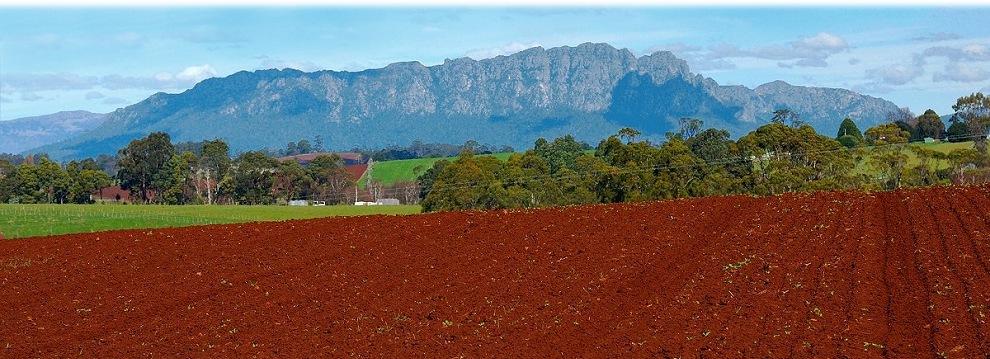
column 99, row 59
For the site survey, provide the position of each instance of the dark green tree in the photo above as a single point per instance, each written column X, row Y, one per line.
column 469, row 182
column 144, row 163
column 252, row 178
column 848, row 130
column 292, row 181
column 8, row 183
column 958, row 131
column 561, row 153
column 428, row 178
column 930, row 124
column 178, row 186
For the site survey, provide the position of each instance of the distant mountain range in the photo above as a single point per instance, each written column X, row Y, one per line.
column 590, row 91
column 23, row 134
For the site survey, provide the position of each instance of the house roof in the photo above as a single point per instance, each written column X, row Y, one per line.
column 356, row 171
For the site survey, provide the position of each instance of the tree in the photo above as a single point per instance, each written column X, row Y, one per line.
column 786, row 116
column 629, row 134
column 428, row 178
column 888, row 157
column 926, row 171
column 559, row 154
column 929, row 124
column 292, row 181
column 904, row 119
column 143, row 164
column 975, row 111
column 787, row 159
column 253, row 178
column 962, row 160
column 848, row 128
column 304, row 147
column 8, row 174
column 213, row 165
column 958, row 131
column 330, row 177
column 711, row 145
column 887, row 133
column 178, row 186
column 890, row 164
column 689, row 127
column 87, row 182
column 49, row 182
column 469, row 182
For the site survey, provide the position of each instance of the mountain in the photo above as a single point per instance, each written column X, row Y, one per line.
column 29, row 132
column 590, row 91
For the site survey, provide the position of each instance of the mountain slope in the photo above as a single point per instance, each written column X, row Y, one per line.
column 29, row 132
column 590, row 91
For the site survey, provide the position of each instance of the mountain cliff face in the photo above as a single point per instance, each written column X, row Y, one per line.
column 29, row 132
column 590, row 91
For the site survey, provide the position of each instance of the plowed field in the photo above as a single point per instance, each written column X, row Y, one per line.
column 896, row 274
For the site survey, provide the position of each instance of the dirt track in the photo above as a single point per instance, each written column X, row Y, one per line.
column 903, row 274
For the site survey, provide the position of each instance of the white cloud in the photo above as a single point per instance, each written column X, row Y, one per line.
column 195, row 74
column 507, row 49
column 33, row 82
column 810, row 51
column 960, row 72
column 899, row 74
column 971, row 52
column 823, row 41
column 695, row 56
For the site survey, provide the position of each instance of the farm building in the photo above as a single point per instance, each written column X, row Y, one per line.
column 380, row 202
column 115, row 194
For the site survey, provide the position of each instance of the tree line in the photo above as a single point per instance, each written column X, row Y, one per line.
column 785, row 155
column 154, row 170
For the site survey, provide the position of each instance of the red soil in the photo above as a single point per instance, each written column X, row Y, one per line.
column 900, row 274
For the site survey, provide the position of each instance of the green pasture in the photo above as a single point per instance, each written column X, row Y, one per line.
column 391, row 172
column 28, row 220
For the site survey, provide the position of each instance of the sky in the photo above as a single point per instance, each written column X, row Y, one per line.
column 100, row 59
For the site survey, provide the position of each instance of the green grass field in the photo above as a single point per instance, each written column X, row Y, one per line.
column 28, row 220
column 390, row 172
